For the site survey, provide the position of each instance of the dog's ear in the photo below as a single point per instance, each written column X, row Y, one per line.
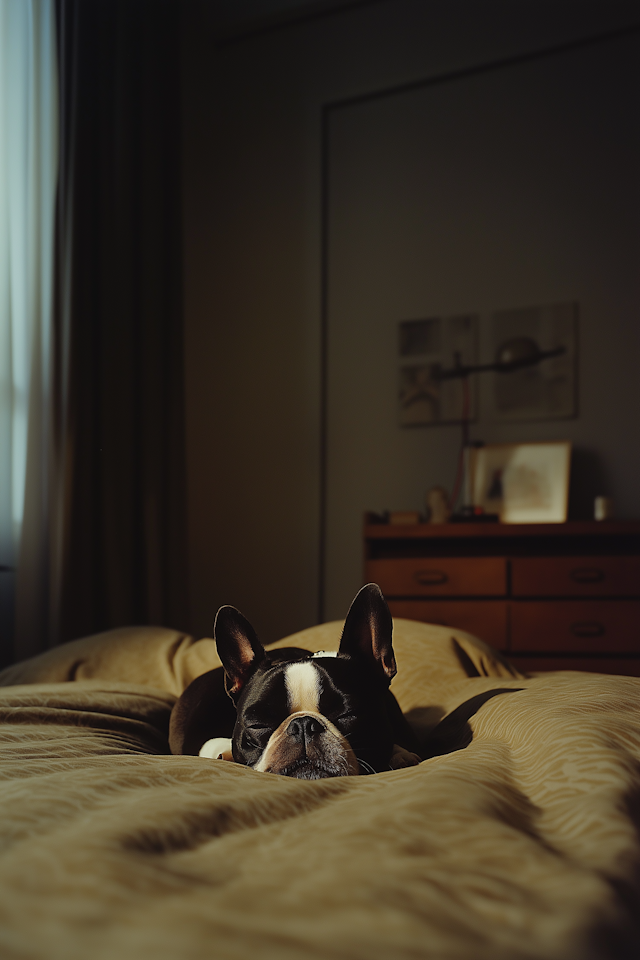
column 238, row 647
column 367, row 632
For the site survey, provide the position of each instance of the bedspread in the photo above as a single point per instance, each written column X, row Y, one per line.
column 515, row 838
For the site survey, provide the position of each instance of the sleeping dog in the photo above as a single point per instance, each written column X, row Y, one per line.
column 298, row 714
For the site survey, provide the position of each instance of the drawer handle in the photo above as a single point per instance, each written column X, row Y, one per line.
column 587, row 575
column 431, row 578
column 587, row 628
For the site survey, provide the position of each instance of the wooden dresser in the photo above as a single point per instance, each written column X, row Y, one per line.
column 551, row 596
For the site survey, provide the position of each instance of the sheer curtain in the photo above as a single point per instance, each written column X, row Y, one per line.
column 28, row 171
column 92, row 485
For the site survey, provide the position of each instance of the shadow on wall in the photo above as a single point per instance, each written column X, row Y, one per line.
column 589, row 479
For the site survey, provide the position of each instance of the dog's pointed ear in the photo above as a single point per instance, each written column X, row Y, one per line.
column 367, row 632
column 238, row 648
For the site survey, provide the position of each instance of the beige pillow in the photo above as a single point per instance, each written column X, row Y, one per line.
column 432, row 660
column 148, row 656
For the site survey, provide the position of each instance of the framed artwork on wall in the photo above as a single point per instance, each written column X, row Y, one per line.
column 425, row 347
column 546, row 391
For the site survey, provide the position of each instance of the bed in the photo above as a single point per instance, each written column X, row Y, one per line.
column 516, row 837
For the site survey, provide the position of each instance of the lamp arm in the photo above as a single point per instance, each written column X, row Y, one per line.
column 461, row 371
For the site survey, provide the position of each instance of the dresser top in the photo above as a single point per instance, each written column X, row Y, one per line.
column 376, row 529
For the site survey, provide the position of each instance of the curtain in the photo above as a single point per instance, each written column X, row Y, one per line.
column 28, row 167
column 118, row 528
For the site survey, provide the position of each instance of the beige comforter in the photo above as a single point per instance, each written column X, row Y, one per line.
column 521, row 842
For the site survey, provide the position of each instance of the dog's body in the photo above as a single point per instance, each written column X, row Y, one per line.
column 296, row 713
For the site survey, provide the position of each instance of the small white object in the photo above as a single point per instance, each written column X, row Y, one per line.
column 215, row 748
column 603, row 508
column 324, row 653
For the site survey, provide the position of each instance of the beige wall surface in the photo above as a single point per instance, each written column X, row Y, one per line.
column 252, row 252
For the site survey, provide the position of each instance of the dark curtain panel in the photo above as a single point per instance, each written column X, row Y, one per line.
column 120, row 544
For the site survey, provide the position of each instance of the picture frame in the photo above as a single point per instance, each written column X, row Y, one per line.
column 522, row 482
column 544, row 391
column 425, row 348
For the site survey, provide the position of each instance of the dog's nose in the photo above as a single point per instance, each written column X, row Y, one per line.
column 304, row 729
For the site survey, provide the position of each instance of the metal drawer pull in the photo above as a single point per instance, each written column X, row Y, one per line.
column 587, row 575
column 431, row 578
column 588, row 628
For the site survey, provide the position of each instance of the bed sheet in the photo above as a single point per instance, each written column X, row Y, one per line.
column 515, row 838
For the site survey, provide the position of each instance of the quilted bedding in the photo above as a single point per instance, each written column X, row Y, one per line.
column 515, row 838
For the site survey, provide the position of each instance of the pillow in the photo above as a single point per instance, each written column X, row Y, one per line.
column 147, row 656
column 432, row 659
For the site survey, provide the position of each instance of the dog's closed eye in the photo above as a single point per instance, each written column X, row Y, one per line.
column 249, row 739
column 342, row 718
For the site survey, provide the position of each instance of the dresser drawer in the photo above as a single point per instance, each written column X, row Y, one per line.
column 486, row 619
column 433, row 576
column 575, row 576
column 621, row 666
column 573, row 626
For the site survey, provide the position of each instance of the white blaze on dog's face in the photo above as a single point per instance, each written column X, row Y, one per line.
column 302, row 683
column 306, row 744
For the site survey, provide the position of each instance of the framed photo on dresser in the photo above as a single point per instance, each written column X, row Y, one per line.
column 522, row 482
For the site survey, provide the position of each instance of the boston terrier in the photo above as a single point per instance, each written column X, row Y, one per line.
column 296, row 713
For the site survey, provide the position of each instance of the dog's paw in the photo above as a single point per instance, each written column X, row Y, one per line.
column 217, row 749
column 403, row 758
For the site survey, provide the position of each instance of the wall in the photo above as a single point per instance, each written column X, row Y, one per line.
column 252, row 191
column 512, row 187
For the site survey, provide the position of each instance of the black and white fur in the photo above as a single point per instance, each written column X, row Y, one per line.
column 299, row 714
